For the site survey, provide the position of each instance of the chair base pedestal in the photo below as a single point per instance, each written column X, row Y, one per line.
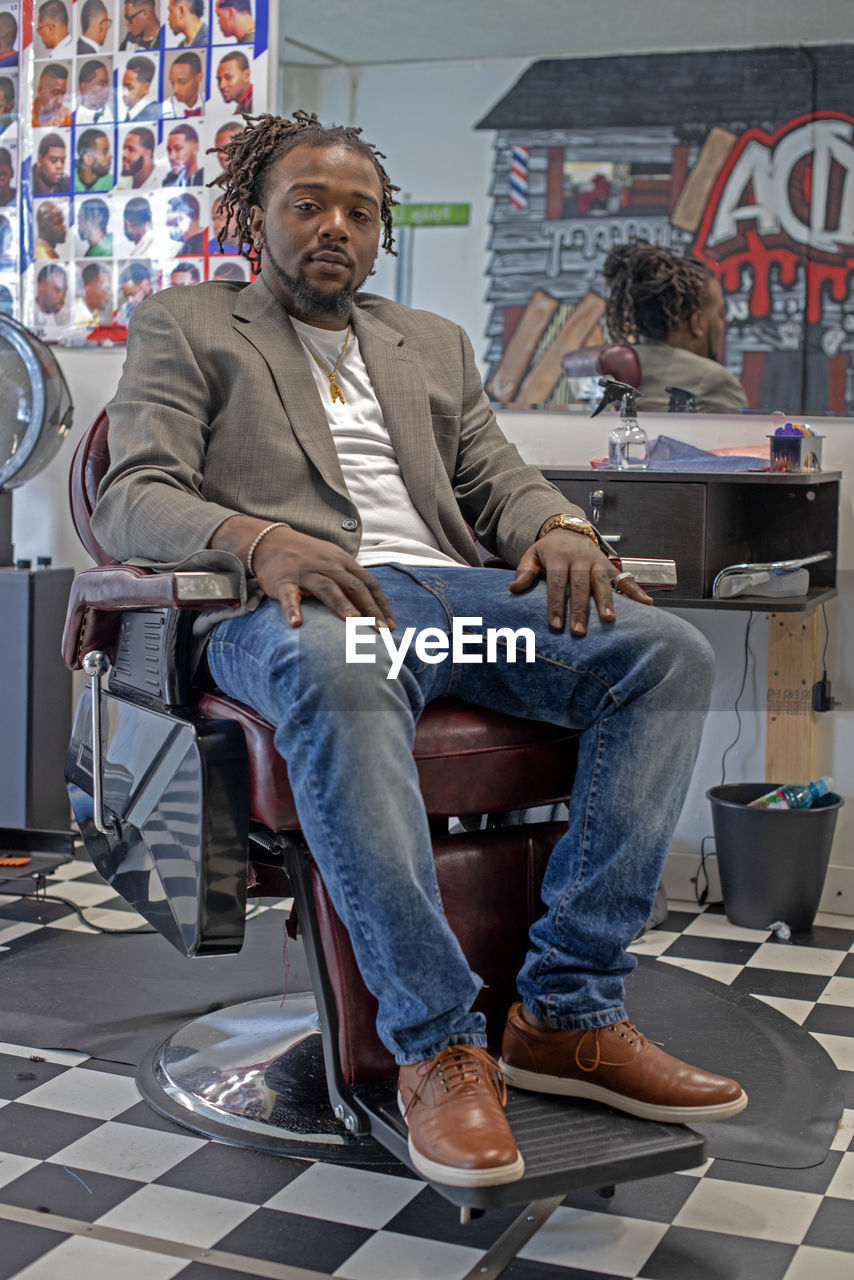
column 252, row 1075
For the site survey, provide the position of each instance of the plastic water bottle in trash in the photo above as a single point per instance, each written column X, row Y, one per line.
column 794, row 796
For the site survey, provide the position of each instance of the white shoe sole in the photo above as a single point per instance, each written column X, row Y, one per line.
column 451, row 1176
column 535, row 1082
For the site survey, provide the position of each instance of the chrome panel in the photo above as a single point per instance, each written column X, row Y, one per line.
column 177, row 790
column 195, row 584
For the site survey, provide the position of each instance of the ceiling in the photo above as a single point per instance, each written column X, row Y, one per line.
column 363, row 32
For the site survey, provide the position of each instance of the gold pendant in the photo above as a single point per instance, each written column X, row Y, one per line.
column 336, row 391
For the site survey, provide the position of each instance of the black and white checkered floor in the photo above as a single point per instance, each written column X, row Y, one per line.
column 94, row 1185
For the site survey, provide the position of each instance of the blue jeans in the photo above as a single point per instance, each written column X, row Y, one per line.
column 638, row 689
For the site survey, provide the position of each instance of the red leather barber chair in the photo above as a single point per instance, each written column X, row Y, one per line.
column 185, row 807
column 615, row 360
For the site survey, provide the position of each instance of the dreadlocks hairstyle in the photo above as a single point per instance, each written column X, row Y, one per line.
column 251, row 153
column 652, row 290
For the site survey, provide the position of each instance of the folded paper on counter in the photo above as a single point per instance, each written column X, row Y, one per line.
column 768, row 578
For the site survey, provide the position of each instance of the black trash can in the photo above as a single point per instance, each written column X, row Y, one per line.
column 772, row 862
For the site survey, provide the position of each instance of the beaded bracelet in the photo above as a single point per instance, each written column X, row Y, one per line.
column 278, row 524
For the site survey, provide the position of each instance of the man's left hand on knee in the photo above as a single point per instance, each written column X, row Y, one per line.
column 572, row 562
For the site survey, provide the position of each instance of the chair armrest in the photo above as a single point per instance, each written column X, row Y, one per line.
column 101, row 594
column 652, row 575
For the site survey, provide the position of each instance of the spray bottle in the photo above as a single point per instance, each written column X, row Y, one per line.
column 628, row 444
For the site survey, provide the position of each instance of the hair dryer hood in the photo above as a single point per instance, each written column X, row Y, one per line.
column 35, row 404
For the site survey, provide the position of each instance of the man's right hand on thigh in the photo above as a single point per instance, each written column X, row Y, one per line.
column 290, row 565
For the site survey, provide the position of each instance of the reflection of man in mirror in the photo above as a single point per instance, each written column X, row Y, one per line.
column 137, row 94
column 186, row 19
column 92, row 305
column 233, row 77
column 7, row 173
column 182, row 148
column 94, row 170
column 138, row 227
column 51, row 292
column 8, row 39
column 50, row 105
column 184, row 274
column 224, row 134
column 185, row 77
column 93, row 220
column 672, row 310
column 143, row 25
column 51, row 230
column 137, row 157
column 49, row 176
column 52, row 25
column 235, row 20
column 135, row 284
column 95, row 26
column 95, row 84
column 184, row 225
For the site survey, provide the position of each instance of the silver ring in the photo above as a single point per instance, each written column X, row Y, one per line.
column 621, row 577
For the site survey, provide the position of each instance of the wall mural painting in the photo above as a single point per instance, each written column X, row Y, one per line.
column 742, row 158
column 116, row 103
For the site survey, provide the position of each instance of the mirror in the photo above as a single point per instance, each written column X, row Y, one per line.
column 740, row 158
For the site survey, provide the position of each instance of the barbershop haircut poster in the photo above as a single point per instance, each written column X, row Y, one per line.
column 743, row 158
column 118, row 105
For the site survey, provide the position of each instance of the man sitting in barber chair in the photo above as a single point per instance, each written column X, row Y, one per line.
column 334, row 445
column 672, row 310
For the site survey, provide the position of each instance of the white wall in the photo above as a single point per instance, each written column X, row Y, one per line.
column 41, row 524
column 372, row 32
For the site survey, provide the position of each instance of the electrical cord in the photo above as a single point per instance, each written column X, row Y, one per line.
column 826, row 640
column 702, row 896
column 702, row 871
column 738, row 695
column 99, row 928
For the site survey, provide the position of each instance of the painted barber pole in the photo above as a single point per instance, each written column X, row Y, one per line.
column 519, row 178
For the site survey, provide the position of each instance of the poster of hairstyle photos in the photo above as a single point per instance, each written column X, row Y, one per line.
column 10, row 217
column 105, row 194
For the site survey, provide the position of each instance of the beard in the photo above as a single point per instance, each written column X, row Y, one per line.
column 309, row 301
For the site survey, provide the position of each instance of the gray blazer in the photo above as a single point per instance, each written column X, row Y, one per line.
column 662, row 366
column 217, row 413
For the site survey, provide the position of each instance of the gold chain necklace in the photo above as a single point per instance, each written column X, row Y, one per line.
column 333, row 385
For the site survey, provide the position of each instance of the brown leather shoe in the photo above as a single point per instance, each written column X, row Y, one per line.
column 616, row 1065
column 454, row 1107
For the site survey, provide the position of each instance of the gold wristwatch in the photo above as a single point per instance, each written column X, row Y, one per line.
column 575, row 524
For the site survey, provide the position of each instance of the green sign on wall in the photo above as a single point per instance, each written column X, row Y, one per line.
column 431, row 215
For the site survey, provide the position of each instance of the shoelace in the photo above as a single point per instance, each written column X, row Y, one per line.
column 460, row 1065
column 630, row 1034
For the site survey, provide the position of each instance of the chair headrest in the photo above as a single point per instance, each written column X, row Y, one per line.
column 614, row 359
column 88, row 468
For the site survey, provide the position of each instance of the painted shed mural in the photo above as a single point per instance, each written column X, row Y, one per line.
column 743, row 158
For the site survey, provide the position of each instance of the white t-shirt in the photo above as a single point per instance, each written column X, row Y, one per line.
column 392, row 529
